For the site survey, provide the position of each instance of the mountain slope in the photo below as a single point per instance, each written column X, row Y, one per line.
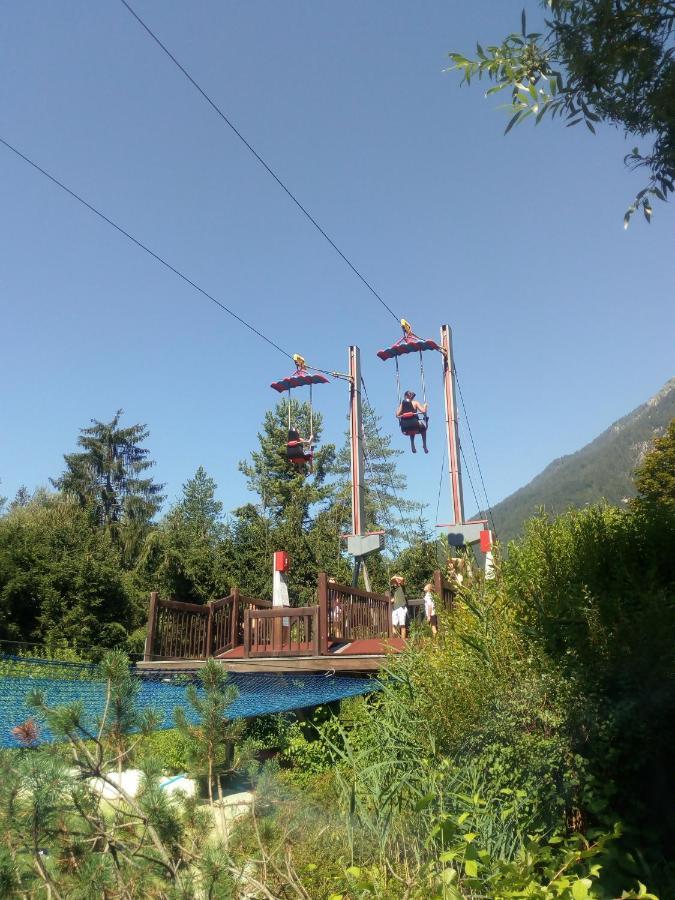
column 601, row 469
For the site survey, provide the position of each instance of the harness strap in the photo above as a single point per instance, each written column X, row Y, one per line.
column 311, row 416
column 424, row 386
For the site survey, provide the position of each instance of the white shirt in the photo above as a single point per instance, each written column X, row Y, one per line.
column 429, row 605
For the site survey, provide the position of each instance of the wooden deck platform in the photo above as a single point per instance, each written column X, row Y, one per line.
column 346, row 630
column 357, row 657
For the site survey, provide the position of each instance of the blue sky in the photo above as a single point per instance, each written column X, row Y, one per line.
column 562, row 321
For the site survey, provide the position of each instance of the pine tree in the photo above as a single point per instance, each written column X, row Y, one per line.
column 107, row 475
column 291, row 497
column 280, row 484
column 198, row 508
column 21, row 499
column 183, row 557
column 386, row 505
column 655, row 476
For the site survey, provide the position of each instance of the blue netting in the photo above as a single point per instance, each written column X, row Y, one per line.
column 161, row 691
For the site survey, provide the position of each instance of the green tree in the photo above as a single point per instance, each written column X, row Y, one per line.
column 655, row 476
column 213, row 742
column 108, row 473
column 21, row 498
column 281, row 485
column 183, row 556
column 292, row 499
column 198, row 507
column 418, row 562
column 61, row 579
column 597, row 61
column 386, row 505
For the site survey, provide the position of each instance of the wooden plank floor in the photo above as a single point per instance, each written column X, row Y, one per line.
column 364, row 656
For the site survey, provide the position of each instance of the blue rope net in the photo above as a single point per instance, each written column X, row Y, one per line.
column 62, row 683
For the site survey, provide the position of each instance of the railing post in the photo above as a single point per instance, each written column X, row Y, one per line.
column 323, row 614
column 438, row 584
column 315, row 632
column 208, row 649
column 247, row 632
column 152, row 624
column 235, row 617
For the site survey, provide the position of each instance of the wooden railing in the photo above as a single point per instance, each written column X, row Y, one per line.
column 443, row 589
column 178, row 630
column 282, row 631
column 350, row 614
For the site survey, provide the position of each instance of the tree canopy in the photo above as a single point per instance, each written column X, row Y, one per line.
column 598, row 61
column 107, row 474
column 655, row 476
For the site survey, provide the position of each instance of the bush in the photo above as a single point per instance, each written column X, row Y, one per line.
column 167, row 749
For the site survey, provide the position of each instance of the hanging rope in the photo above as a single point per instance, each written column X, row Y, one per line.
column 289, row 409
column 311, row 420
column 398, row 381
column 424, row 386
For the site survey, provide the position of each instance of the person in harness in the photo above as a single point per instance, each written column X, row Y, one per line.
column 413, row 419
column 299, row 449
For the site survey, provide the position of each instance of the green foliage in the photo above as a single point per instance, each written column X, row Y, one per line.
column 212, row 744
column 595, row 590
column 106, row 477
column 292, row 501
column 61, row 580
column 169, row 749
column 62, row 840
column 655, row 476
column 499, row 756
column 597, row 61
column 183, row 555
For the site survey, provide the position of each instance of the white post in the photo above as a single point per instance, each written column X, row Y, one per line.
column 279, row 589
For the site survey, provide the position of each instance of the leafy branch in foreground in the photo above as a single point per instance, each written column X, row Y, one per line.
column 598, row 61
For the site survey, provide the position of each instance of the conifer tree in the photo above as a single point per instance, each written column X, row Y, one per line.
column 183, row 557
column 108, row 477
column 655, row 476
column 386, row 504
column 291, row 497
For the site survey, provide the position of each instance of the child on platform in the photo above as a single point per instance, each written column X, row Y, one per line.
column 430, row 608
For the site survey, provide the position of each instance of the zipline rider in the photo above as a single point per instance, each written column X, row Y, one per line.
column 413, row 419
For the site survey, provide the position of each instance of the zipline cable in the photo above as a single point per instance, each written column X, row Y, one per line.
column 438, row 506
column 144, row 247
column 468, row 473
column 440, row 483
column 303, row 209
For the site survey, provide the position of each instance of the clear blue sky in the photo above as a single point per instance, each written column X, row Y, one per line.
column 562, row 321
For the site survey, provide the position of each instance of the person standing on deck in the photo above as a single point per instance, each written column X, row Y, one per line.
column 399, row 609
column 430, row 608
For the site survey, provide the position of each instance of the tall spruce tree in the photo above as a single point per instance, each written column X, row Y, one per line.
column 183, row 557
column 386, row 504
column 107, row 475
column 291, row 497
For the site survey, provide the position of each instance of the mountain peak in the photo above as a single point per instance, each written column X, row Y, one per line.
column 603, row 469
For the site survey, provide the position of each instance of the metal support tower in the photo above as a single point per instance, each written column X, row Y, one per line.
column 461, row 532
